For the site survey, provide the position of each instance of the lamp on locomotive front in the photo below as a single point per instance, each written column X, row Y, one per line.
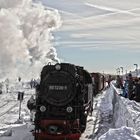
column 69, row 109
column 42, row 108
column 57, row 66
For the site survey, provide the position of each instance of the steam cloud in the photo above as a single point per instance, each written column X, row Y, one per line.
column 25, row 38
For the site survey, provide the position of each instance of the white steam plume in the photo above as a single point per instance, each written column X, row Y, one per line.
column 25, row 38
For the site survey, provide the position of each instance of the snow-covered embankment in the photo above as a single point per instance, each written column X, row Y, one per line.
column 127, row 112
column 126, row 117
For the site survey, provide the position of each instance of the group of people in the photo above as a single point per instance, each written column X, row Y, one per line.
column 130, row 87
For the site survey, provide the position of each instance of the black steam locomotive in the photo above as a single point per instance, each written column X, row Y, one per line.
column 64, row 99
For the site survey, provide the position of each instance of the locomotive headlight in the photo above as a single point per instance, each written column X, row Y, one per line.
column 42, row 108
column 57, row 66
column 69, row 109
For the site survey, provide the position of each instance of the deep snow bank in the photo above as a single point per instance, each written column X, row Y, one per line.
column 126, row 117
column 127, row 112
column 123, row 133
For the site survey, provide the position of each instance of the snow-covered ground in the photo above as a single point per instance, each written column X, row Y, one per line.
column 113, row 118
column 10, row 126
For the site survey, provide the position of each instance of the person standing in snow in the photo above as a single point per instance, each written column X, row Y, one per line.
column 137, row 90
column 31, row 104
column 125, row 90
column 119, row 83
column 19, row 79
column 130, row 86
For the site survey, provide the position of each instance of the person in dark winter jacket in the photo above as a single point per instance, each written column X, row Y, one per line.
column 119, row 83
column 130, row 87
column 31, row 104
column 137, row 90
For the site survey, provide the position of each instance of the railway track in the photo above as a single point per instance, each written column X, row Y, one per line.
column 8, row 104
column 7, row 107
column 3, row 104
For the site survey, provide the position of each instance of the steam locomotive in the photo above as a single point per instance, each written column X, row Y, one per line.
column 64, row 100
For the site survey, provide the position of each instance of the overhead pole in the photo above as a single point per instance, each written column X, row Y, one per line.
column 121, row 70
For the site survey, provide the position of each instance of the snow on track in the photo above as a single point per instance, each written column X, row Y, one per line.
column 7, row 107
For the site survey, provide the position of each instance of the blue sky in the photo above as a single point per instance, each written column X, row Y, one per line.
column 100, row 35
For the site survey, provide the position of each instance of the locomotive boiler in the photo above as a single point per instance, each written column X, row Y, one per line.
column 63, row 101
